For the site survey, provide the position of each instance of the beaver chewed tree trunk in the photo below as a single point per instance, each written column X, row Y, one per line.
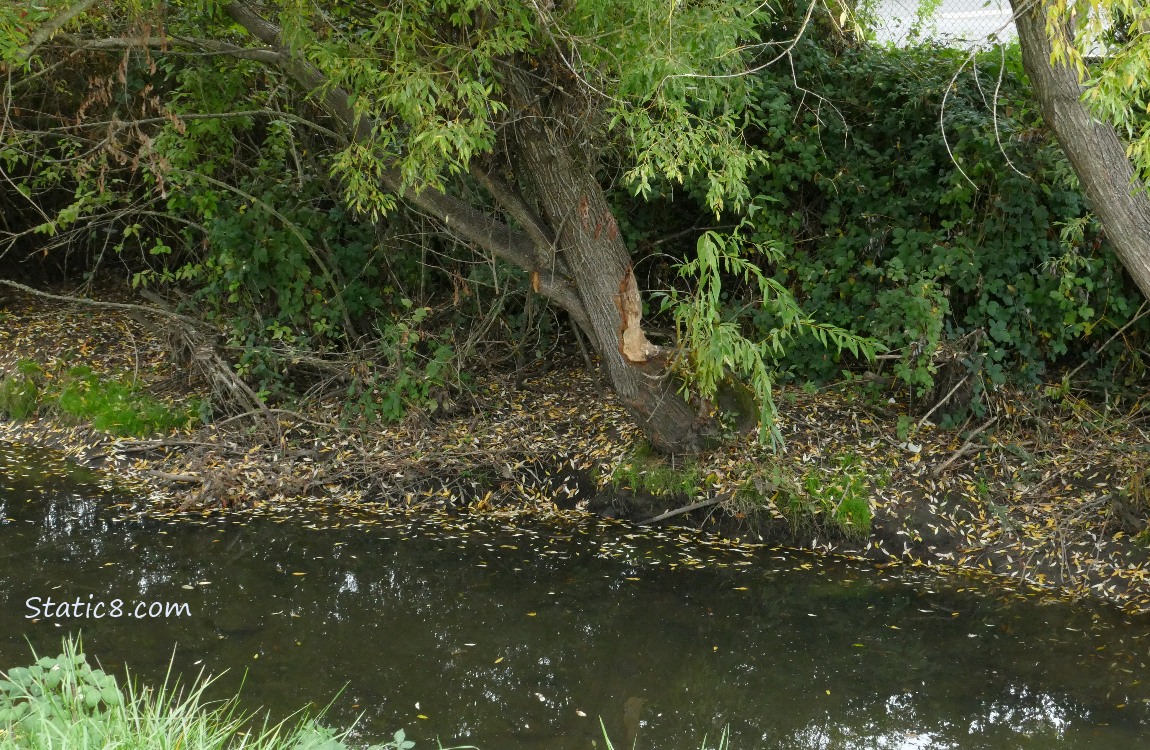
column 543, row 178
column 573, row 204
column 560, row 176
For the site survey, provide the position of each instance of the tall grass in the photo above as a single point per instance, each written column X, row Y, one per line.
column 62, row 703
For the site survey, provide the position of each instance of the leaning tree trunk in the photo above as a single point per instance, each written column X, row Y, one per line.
column 587, row 237
column 1094, row 149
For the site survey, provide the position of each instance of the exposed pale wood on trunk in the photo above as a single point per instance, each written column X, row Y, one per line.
column 633, row 343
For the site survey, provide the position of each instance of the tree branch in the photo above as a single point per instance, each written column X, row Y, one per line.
column 57, row 22
column 514, row 205
column 211, row 46
column 458, row 217
column 271, row 113
column 196, row 324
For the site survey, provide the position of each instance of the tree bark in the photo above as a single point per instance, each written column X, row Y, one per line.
column 1094, row 148
column 587, row 237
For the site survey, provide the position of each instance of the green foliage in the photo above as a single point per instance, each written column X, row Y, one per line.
column 117, row 407
column 847, row 493
column 713, row 338
column 439, row 70
column 408, row 378
column 644, row 471
column 20, row 391
column 833, row 499
column 54, row 691
column 246, row 171
column 1108, row 45
column 14, row 26
column 282, row 263
column 63, row 702
column 860, row 212
column 112, row 406
column 897, row 230
column 770, row 485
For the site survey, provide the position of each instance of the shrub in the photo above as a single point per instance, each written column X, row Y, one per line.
column 886, row 227
column 896, row 230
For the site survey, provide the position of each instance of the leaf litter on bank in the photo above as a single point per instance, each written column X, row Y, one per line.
column 1030, row 505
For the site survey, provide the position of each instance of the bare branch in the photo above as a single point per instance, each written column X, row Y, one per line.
column 209, row 46
column 57, row 22
column 197, row 324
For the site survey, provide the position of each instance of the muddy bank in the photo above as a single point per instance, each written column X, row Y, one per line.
column 1049, row 500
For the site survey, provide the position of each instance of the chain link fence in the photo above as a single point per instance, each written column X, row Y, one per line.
column 958, row 23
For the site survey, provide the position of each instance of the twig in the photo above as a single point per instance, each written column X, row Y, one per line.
column 173, row 477
column 958, row 453
column 1137, row 316
column 136, row 446
column 944, row 399
column 267, row 410
column 110, row 305
column 679, row 511
column 586, row 356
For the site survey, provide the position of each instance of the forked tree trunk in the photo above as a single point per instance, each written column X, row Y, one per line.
column 1094, row 149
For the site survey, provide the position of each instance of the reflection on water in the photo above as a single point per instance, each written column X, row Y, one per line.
column 522, row 637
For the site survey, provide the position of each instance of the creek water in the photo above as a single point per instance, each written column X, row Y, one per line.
column 517, row 637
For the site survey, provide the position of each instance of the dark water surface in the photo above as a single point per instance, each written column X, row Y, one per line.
column 509, row 638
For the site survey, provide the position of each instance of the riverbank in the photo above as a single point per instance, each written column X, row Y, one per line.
column 1048, row 495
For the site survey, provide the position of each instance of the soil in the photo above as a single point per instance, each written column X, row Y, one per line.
column 1049, row 496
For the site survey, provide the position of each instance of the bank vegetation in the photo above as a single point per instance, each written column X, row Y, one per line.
column 496, row 255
